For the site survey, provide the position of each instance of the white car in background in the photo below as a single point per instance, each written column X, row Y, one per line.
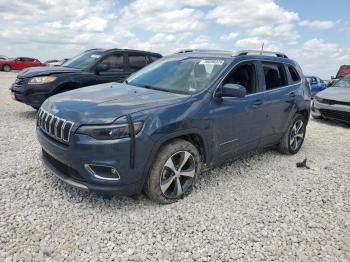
column 334, row 102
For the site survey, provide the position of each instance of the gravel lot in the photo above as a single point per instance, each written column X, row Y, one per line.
column 258, row 208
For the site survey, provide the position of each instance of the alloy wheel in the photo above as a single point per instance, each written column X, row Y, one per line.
column 177, row 174
column 296, row 136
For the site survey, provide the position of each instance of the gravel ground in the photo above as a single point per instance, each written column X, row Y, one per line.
column 258, row 208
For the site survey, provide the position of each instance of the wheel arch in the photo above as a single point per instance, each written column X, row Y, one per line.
column 194, row 136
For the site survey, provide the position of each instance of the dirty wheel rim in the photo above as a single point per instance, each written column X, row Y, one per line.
column 296, row 135
column 177, row 174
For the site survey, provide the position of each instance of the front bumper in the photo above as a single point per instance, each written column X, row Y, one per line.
column 30, row 96
column 68, row 162
column 335, row 112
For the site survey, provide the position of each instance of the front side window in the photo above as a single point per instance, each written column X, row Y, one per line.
column 115, row 62
column 244, row 75
column 84, row 60
column 178, row 75
column 275, row 75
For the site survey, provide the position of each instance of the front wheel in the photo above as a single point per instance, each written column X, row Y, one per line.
column 174, row 172
column 293, row 139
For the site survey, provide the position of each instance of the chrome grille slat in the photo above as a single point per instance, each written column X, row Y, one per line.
column 57, row 128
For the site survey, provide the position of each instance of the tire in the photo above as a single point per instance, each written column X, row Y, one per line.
column 165, row 184
column 293, row 139
column 6, row 68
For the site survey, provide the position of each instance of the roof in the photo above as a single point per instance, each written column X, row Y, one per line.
column 124, row 50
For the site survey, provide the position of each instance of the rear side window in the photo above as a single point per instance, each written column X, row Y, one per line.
column 275, row 75
column 154, row 58
column 293, row 74
column 25, row 59
column 137, row 62
column 115, row 62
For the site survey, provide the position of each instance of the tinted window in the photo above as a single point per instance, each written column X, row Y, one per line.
column 293, row 74
column 137, row 62
column 154, row 58
column 275, row 75
column 25, row 59
column 115, row 62
column 244, row 75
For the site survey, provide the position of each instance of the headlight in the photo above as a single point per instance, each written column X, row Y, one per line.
column 109, row 132
column 318, row 99
column 41, row 80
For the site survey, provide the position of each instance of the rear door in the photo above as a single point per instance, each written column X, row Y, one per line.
column 280, row 98
column 117, row 68
column 136, row 61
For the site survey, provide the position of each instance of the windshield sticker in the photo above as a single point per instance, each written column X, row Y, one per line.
column 95, row 56
column 211, row 62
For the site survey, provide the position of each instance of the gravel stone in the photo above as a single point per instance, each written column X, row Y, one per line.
column 261, row 207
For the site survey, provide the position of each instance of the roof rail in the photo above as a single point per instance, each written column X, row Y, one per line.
column 198, row 50
column 247, row 52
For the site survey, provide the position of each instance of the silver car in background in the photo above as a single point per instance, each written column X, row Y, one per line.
column 333, row 103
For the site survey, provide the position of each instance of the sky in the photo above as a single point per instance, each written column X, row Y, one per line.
column 316, row 34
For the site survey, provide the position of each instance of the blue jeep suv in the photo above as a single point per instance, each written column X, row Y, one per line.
column 167, row 122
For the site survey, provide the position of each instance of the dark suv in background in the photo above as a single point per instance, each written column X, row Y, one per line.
column 94, row 66
column 157, row 130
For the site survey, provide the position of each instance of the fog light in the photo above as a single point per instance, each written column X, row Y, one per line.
column 103, row 172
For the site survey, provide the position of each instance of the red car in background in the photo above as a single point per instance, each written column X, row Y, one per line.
column 19, row 63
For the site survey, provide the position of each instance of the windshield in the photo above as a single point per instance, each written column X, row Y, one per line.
column 83, row 60
column 345, row 82
column 178, row 75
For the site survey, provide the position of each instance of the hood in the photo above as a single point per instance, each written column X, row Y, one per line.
column 335, row 93
column 46, row 70
column 102, row 104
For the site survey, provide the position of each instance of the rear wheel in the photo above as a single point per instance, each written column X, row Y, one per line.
column 293, row 139
column 6, row 68
column 174, row 172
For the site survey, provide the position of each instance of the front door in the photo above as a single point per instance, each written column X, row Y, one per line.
column 117, row 70
column 238, row 122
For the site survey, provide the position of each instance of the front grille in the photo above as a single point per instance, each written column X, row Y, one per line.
column 63, row 168
column 333, row 102
column 19, row 81
column 337, row 115
column 57, row 128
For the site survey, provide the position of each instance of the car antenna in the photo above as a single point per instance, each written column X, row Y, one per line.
column 262, row 48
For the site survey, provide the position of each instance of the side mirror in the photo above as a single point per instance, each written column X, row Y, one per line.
column 101, row 68
column 231, row 90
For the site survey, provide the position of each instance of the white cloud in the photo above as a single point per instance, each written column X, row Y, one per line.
column 162, row 16
column 258, row 16
column 318, row 24
column 319, row 57
column 229, row 36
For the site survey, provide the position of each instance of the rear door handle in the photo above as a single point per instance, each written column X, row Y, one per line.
column 292, row 94
column 258, row 103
